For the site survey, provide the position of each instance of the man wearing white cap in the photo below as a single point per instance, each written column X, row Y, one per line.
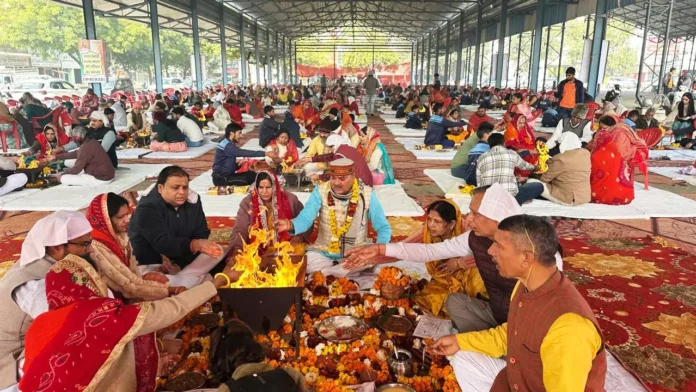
column 489, row 206
column 23, row 289
column 344, row 206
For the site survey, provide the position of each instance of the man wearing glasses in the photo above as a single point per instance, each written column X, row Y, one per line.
column 23, row 288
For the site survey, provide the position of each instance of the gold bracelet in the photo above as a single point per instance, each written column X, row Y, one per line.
column 226, row 278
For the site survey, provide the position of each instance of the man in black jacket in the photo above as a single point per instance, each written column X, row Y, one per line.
column 168, row 223
column 269, row 127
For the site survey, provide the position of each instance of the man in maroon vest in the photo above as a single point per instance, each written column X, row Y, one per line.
column 551, row 341
column 489, row 205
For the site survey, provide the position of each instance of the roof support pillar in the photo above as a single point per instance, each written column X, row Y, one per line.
column 223, row 45
column 277, row 58
column 430, row 42
column 422, row 62
column 536, row 46
column 560, row 55
column 460, row 41
column 600, row 32
column 447, row 52
column 91, row 33
column 665, row 47
column 294, row 64
column 282, row 53
column 269, row 63
column 242, row 52
column 198, row 72
column 413, row 52
column 519, row 52
column 256, row 53
column 437, row 52
column 477, row 53
column 154, row 27
column 546, row 57
column 502, row 30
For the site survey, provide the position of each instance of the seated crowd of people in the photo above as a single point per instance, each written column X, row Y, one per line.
column 145, row 265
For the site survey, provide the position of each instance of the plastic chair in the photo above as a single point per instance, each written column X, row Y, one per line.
column 53, row 114
column 3, row 134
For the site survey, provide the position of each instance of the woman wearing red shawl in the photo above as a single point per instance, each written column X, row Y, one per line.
column 89, row 103
column 285, row 147
column 519, row 136
column 310, row 116
column 616, row 152
column 90, row 342
column 109, row 215
column 235, row 113
column 49, row 142
column 266, row 203
column 353, row 105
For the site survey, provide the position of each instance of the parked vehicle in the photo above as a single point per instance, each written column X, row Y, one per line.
column 120, row 84
column 42, row 88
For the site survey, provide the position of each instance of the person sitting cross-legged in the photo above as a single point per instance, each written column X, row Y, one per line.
column 92, row 165
column 576, row 124
column 169, row 232
column 191, row 130
column 551, row 340
column 464, row 163
column 499, row 164
column 436, row 132
column 225, row 162
column 567, row 180
column 344, row 206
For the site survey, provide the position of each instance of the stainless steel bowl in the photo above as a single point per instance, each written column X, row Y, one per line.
column 399, row 386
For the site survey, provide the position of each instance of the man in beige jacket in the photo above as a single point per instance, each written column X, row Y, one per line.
column 567, row 181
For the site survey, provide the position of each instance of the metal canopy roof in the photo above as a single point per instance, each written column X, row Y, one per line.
column 683, row 16
column 400, row 21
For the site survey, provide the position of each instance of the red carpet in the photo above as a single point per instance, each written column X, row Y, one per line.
column 644, row 295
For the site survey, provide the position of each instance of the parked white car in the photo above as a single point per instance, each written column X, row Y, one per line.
column 41, row 88
column 175, row 83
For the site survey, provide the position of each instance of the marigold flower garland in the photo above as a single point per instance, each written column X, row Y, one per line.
column 337, row 233
column 331, row 366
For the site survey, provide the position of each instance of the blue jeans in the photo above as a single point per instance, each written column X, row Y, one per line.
column 529, row 192
column 189, row 143
column 563, row 112
column 459, row 171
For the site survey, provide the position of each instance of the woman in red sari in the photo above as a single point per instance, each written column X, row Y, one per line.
column 267, row 203
column 519, row 136
column 89, row 103
column 311, row 117
column 109, row 215
column 88, row 341
column 49, row 142
column 616, row 152
column 285, row 147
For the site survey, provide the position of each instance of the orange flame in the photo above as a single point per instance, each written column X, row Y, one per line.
column 248, row 262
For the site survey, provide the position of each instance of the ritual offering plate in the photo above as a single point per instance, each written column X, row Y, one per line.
column 395, row 387
column 396, row 324
column 186, row 381
column 342, row 328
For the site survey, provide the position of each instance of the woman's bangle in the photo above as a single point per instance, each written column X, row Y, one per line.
column 227, row 278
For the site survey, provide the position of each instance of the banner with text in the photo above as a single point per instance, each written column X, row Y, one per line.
column 93, row 56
